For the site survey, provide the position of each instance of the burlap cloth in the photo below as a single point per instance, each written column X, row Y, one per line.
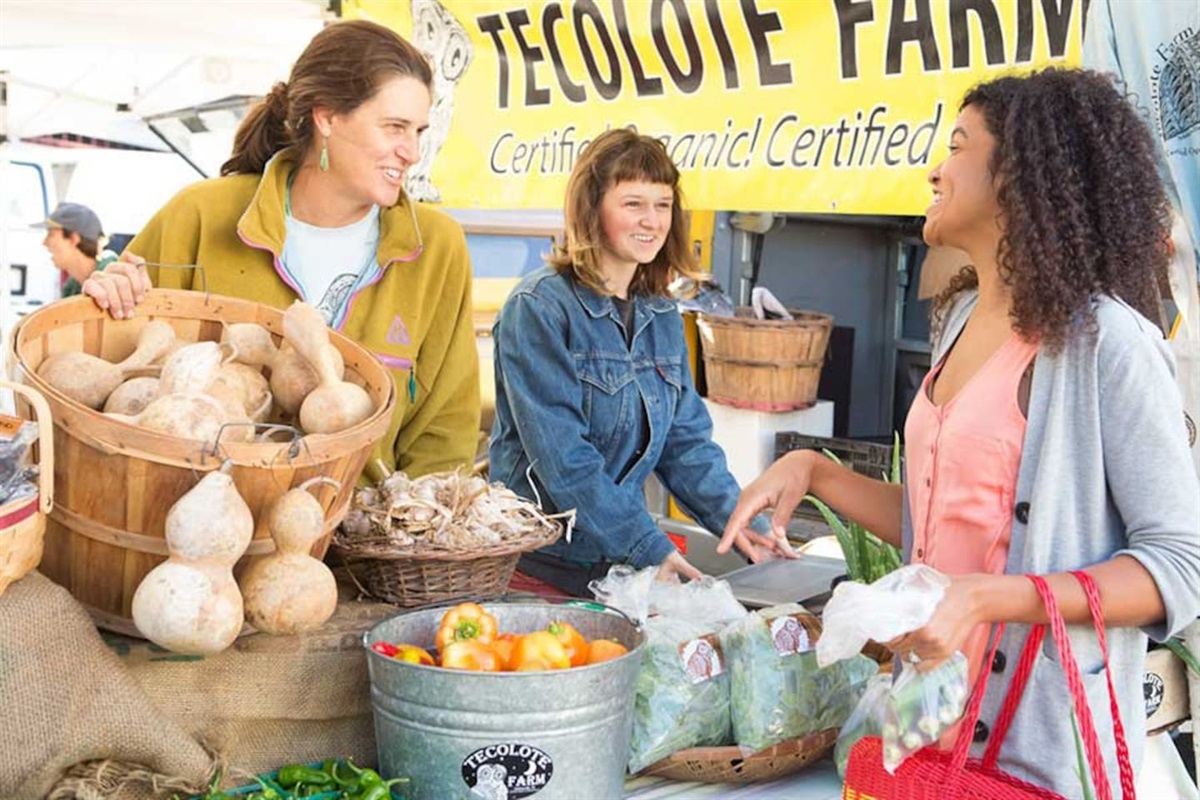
column 113, row 718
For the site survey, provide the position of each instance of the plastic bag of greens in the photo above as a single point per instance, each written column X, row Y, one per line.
column 682, row 693
column 778, row 690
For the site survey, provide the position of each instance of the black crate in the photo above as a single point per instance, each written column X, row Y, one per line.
column 865, row 457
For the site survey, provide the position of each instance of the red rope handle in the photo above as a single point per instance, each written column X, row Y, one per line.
column 1087, row 728
column 1016, row 690
column 1123, row 761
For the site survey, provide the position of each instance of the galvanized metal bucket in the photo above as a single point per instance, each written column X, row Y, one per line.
column 559, row 735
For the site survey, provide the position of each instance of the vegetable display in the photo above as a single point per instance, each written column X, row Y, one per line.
column 868, row 557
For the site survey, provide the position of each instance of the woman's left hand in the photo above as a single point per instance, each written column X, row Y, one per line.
column 953, row 621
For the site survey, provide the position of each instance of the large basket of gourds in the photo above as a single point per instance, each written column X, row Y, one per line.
column 117, row 476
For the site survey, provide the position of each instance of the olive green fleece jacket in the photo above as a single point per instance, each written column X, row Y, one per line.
column 416, row 317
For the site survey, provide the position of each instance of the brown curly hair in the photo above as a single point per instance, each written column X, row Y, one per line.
column 1084, row 211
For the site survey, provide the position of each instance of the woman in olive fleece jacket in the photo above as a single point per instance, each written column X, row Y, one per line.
column 294, row 152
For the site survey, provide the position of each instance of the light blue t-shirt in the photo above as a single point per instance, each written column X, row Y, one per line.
column 329, row 264
column 1154, row 48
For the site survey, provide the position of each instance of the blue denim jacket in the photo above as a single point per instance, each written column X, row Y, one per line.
column 595, row 417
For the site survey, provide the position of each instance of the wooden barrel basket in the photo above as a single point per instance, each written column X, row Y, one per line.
column 765, row 365
column 115, row 482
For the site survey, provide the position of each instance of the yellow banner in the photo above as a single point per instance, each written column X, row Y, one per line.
column 769, row 105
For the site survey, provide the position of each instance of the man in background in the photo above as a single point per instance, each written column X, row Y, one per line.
column 73, row 238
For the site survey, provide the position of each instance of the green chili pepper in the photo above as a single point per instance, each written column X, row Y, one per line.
column 351, row 785
column 268, row 792
column 303, row 775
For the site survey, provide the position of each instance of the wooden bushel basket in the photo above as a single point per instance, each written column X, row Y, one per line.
column 114, row 482
column 23, row 522
column 765, row 365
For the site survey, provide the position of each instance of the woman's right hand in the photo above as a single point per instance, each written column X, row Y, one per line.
column 677, row 568
column 780, row 488
column 120, row 286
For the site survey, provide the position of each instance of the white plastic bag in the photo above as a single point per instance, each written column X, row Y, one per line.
column 898, row 603
column 917, row 707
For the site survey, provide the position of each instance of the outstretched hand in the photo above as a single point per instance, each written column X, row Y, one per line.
column 780, row 488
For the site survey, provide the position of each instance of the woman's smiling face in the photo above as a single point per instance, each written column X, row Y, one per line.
column 372, row 147
column 964, row 188
column 636, row 218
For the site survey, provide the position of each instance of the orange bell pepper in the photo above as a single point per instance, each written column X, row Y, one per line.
column 466, row 621
column 471, row 654
column 605, row 650
column 571, row 640
column 537, row 651
column 503, row 645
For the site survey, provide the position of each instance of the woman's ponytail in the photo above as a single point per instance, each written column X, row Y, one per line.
column 262, row 134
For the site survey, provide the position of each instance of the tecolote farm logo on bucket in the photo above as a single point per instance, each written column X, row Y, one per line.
column 507, row 771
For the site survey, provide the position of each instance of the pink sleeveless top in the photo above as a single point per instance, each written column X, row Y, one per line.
column 962, row 459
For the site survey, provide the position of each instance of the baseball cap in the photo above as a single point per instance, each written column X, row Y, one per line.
column 76, row 218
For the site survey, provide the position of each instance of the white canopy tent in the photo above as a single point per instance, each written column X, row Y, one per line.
column 94, row 69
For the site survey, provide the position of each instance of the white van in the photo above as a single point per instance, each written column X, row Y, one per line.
column 123, row 187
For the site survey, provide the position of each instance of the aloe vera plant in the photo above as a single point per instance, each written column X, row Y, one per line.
column 868, row 557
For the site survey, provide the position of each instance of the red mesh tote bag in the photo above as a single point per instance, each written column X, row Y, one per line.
column 931, row 774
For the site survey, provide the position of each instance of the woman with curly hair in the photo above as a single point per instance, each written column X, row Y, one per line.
column 1049, row 435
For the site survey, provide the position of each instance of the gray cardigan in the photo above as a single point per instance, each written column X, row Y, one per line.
column 1104, row 470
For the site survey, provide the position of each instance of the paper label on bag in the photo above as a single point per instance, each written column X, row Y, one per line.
column 702, row 658
column 794, row 633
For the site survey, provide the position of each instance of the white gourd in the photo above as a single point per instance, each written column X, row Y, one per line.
column 292, row 378
column 90, row 379
column 188, row 416
column 289, row 591
column 190, row 368
column 335, row 404
column 253, row 342
column 191, row 603
column 132, row 396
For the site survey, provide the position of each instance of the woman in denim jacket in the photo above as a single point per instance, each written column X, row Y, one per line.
column 1075, row 456
column 593, row 390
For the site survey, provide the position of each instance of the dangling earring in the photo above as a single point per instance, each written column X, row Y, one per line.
column 325, row 156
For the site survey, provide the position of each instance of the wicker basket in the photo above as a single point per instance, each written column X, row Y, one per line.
column 766, row 365
column 23, row 522
column 409, row 579
column 731, row 765
column 114, row 482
